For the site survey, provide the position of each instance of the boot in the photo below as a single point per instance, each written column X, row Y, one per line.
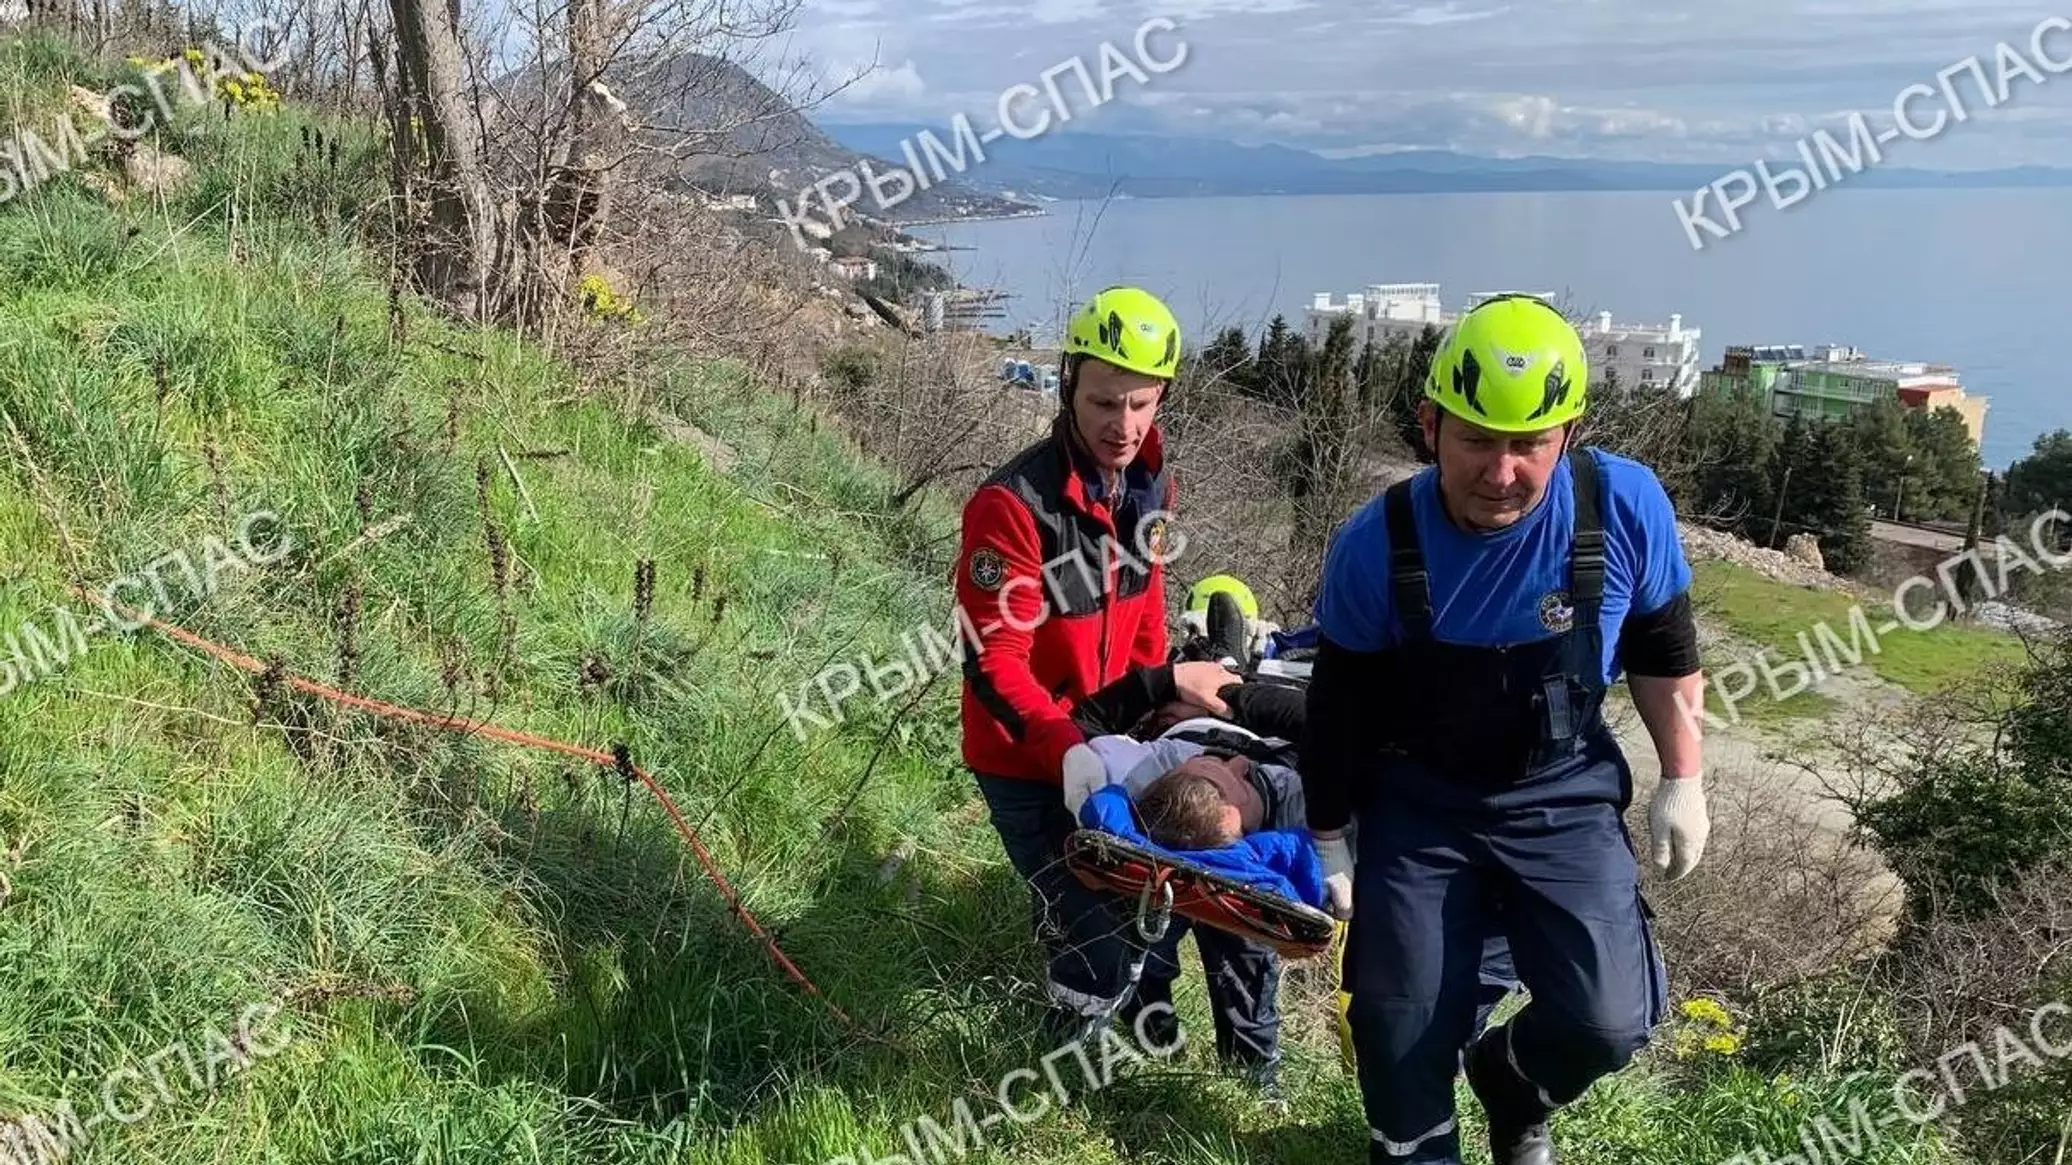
column 1227, row 640
column 1518, row 1132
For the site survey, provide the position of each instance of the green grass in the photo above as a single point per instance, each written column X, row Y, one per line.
column 1760, row 706
column 1775, row 615
column 488, row 954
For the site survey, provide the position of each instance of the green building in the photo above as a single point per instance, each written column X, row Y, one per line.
column 1746, row 368
column 1828, row 382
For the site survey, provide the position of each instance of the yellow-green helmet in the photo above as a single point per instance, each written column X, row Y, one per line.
column 1129, row 328
column 1222, row 584
column 1513, row 364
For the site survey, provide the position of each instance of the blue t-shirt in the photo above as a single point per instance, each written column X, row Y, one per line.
column 1509, row 586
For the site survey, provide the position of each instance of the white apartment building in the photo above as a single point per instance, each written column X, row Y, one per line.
column 1656, row 355
column 1380, row 311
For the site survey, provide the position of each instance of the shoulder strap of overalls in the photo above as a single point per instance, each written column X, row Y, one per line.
column 1586, row 556
column 1409, row 592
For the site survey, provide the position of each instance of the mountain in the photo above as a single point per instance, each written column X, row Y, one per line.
column 1068, row 165
column 735, row 135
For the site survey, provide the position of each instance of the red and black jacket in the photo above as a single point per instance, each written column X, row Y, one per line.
column 1064, row 594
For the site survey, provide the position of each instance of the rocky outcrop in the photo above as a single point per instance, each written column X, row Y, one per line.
column 1701, row 544
column 152, row 171
column 145, row 169
column 1805, row 548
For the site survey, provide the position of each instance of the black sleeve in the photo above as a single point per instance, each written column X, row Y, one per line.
column 1116, row 708
column 1661, row 643
column 1267, row 709
column 1338, row 745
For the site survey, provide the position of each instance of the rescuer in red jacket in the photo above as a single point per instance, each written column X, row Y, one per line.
column 1060, row 584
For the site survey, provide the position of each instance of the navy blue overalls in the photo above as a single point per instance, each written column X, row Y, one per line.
column 1498, row 776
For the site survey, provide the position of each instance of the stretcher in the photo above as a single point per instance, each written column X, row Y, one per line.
column 1163, row 885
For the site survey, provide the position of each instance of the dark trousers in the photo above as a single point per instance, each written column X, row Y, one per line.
column 1098, row 964
column 1556, row 855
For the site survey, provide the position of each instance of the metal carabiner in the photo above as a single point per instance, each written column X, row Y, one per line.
column 1147, row 929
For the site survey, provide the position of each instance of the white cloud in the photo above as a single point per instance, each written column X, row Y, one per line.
column 989, row 12
column 1427, row 15
column 1183, row 11
column 883, row 85
column 1642, row 79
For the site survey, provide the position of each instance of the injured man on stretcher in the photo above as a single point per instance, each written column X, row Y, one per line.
column 1224, row 793
column 1201, row 784
column 1196, row 783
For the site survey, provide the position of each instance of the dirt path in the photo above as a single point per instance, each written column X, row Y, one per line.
column 1789, row 763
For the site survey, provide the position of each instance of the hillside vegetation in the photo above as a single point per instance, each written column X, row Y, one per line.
column 482, row 952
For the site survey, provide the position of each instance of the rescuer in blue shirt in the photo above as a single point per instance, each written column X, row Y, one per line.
column 1472, row 619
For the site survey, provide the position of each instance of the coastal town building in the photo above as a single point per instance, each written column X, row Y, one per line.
column 854, row 267
column 1827, row 381
column 1658, row 355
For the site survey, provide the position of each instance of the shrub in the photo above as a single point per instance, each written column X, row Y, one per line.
column 1965, row 972
column 1982, row 835
column 1962, row 818
column 852, row 368
column 1831, row 1024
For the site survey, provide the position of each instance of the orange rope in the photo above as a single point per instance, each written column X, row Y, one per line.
column 480, row 728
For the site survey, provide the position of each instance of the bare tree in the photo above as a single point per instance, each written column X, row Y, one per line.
column 435, row 133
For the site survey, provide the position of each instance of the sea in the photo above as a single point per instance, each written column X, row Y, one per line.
column 1978, row 279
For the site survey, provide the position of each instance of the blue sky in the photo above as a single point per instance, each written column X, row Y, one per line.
column 1658, row 80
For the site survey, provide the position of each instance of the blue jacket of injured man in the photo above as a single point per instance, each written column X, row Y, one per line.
column 1268, row 846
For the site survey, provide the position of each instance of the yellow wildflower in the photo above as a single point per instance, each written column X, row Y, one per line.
column 1706, row 1011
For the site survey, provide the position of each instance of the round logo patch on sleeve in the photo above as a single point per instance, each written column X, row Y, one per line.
column 988, row 569
column 1155, row 540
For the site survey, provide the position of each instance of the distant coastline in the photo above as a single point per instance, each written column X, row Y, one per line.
column 920, row 245
column 1032, row 212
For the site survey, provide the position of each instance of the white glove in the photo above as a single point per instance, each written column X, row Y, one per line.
column 1085, row 771
column 1337, row 857
column 1678, row 825
column 1256, row 631
column 1195, row 623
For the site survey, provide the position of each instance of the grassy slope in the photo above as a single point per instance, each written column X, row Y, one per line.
column 1774, row 615
column 491, row 955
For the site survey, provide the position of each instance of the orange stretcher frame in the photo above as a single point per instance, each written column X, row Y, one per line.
column 1163, row 886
